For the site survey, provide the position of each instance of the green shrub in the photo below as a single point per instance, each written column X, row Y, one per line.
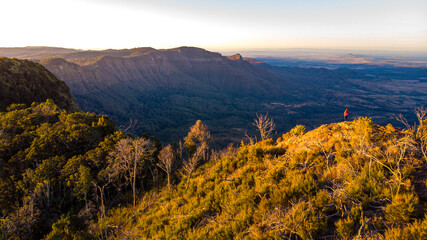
column 297, row 130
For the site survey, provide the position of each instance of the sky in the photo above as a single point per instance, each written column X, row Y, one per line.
column 216, row 25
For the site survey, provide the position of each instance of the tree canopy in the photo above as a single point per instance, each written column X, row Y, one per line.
column 23, row 81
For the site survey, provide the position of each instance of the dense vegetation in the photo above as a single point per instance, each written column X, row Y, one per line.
column 340, row 181
column 71, row 175
column 23, row 81
column 44, row 156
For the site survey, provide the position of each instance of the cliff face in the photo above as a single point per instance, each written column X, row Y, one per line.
column 166, row 90
column 23, row 81
column 148, row 69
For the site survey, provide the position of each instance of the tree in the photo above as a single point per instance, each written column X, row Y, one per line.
column 84, row 182
column 125, row 159
column 421, row 135
column 198, row 136
column 191, row 164
column 166, row 161
column 265, row 125
column 420, row 131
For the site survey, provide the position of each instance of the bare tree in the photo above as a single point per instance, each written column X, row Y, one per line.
column 166, row 161
column 180, row 151
column 420, row 131
column 421, row 135
column 403, row 120
column 265, row 125
column 129, row 127
column 101, row 188
column 190, row 165
column 398, row 153
column 126, row 157
column 252, row 140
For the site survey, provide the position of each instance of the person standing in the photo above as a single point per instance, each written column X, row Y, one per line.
column 345, row 114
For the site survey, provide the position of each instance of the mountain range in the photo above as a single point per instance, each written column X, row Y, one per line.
column 166, row 90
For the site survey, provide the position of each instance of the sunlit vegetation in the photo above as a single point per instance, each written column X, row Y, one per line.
column 345, row 180
column 71, row 175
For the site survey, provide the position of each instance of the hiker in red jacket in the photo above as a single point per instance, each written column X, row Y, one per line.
column 345, row 114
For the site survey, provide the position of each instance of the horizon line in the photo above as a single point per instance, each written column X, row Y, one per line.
column 227, row 49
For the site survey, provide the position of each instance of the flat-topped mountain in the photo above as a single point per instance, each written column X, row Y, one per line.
column 146, row 69
column 167, row 90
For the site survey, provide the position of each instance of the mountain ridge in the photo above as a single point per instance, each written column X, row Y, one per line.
column 166, row 90
column 25, row 82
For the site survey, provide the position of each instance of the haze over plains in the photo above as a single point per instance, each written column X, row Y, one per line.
column 216, row 25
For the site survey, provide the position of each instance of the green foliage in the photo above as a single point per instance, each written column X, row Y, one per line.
column 49, row 161
column 304, row 221
column 67, row 227
column 298, row 130
column 338, row 180
column 73, row 177
column 84, row 183
column 198, row 136
column 25, row 82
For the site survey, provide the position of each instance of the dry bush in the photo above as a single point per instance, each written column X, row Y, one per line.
column 265, row 126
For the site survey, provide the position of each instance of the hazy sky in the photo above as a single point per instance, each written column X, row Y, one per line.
column 216, row 24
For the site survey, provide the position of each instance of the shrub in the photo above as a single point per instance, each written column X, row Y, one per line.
column 415, row 231
column 298, row 130
column 402, row 209
column 304, row 221
column 345, row 228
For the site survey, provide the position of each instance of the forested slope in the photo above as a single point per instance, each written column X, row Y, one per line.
column 23, row 81
column 42, row 155
column 340, row 181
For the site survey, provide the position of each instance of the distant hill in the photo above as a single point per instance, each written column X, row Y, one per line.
column 33, row 52
column 146, row 68
column 168, row 90
column 23, row 81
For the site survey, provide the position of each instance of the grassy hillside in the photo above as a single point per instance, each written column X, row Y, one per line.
column 340, row 181
column 23, row 81
column 72, row 176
